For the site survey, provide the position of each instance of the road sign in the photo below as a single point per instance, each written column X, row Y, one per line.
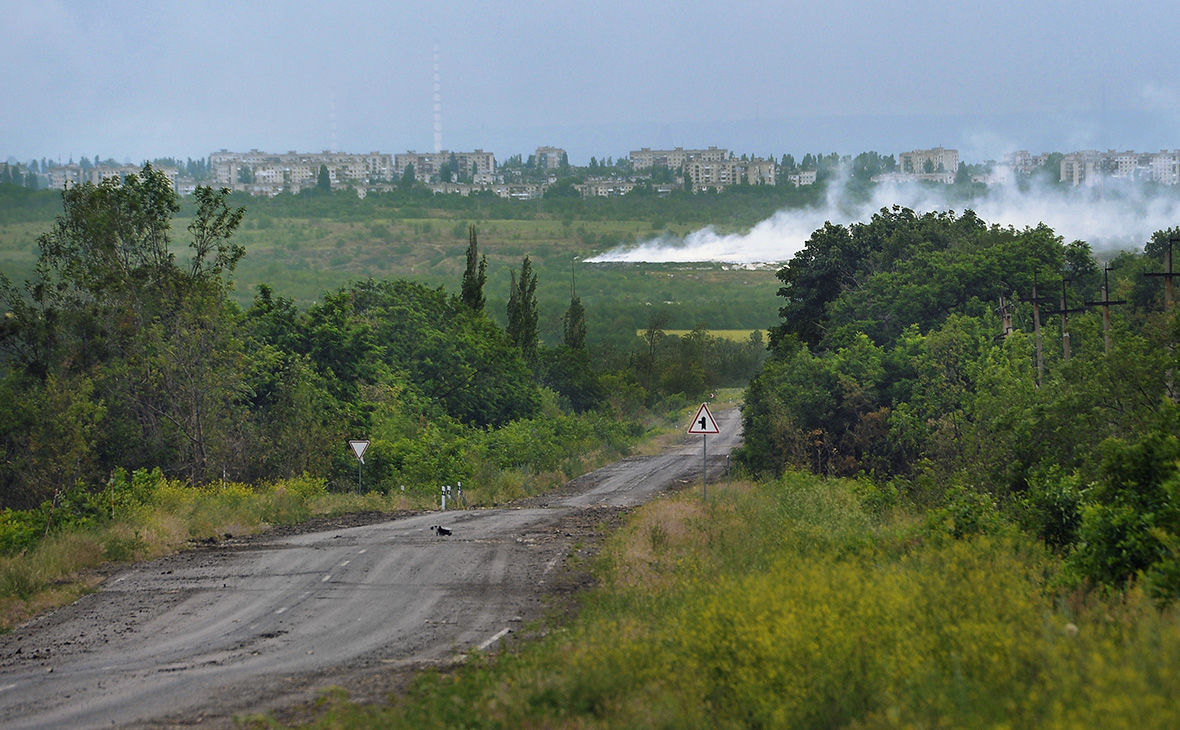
column 703, row 422
column 358, row 447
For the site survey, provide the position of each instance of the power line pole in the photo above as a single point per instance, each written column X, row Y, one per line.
column 1005, row 320
column 1106, row 304
column 1065, row 311
column 1167, row 276
column 1036, row 301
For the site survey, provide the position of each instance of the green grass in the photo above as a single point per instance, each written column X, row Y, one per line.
column 791, row 604
column 301, row 258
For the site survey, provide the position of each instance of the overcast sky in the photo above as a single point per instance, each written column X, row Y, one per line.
column 137, row 80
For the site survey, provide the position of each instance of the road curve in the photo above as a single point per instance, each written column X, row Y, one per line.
column 246, row 628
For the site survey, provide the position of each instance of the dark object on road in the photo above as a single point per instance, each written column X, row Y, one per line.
column 439, row 529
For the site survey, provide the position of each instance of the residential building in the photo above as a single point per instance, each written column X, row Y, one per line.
column 549, row 158
column 1082, row 168
column 675, row 159
column 802, row 177
column 720, row 174
column 605, row 187
column 263, row 173
column 1165, row 167
column 428, row 165
column 936, row 162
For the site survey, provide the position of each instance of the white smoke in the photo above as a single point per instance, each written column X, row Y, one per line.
column 1117, row 216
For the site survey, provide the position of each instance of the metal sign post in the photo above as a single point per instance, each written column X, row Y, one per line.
column 704, row 424
column 358, row 447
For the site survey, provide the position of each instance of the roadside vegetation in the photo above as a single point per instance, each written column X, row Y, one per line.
column 814, row 602
column 946, row 529
column 125, row 360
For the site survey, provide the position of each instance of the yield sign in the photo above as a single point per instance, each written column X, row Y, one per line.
column 358, row 447
column 703, row 421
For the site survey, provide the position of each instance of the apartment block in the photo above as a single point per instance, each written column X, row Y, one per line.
column 428, row 165
column 720, row 174
column 549, row 158
column 61, row 176
column 937, row 161
column 264, row 173
column 675, row 159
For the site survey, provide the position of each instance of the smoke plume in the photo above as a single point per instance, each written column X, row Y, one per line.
column 1118, row 215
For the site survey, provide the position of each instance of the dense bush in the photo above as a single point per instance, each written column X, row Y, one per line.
column 890, row 362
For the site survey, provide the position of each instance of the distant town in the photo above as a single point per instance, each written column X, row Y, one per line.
column 658, row 170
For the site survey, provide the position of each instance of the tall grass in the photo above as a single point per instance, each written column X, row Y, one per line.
column 793, row 605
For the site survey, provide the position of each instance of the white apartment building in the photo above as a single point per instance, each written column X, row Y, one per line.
column 1082, row 168
column 1165, row 167
column 932, row 161
column 63, row 175
column 264, row 173
column 802, row 177
column 428, row 165
column 720, row 174
column 675, row 158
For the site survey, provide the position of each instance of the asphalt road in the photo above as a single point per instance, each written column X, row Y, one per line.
column 253, row 625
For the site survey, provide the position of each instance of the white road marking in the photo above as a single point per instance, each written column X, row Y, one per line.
column 282, row 610
column 7, row 687
column 346, row 562
column 494, row 638
column 326, row 578
column 363, row 551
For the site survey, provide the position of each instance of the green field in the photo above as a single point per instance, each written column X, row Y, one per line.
column 300, row 257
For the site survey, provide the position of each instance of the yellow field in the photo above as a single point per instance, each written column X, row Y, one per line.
column 733, row 335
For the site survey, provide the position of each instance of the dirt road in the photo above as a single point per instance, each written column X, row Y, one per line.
column 263, row 623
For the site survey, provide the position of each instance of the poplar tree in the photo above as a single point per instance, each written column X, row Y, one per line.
column 475, row 275
column 573, row 322
column 522, row 311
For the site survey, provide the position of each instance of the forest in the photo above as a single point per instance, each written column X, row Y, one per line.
column 118, row 353
column 893, row 362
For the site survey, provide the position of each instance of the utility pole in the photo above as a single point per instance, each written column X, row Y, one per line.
column 1167, row 276
column 1036, row 300
column 1005, row 320
column 1065, row 311
column 1106, row 304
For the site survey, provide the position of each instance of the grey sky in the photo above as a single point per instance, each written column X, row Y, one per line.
column 135, row 80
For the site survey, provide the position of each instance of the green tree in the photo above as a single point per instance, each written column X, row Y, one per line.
column 154, row 341
column 475, row 275
column 324, row 181
column 522, row 310
column 573, row 324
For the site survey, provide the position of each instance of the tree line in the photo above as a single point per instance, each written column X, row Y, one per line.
column 118, row 354
column 891, row 362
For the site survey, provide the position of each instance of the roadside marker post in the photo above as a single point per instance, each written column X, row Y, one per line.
column 704, row 424
column 358, row 447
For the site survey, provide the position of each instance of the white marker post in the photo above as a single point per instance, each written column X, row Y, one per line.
column 358, row 447
column 704, row 424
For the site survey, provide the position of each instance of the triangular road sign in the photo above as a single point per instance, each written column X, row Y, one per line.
column 358, row 447
column 703, row 421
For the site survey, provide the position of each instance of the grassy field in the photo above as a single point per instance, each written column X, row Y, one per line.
column 812, row 603
column 300, row 258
